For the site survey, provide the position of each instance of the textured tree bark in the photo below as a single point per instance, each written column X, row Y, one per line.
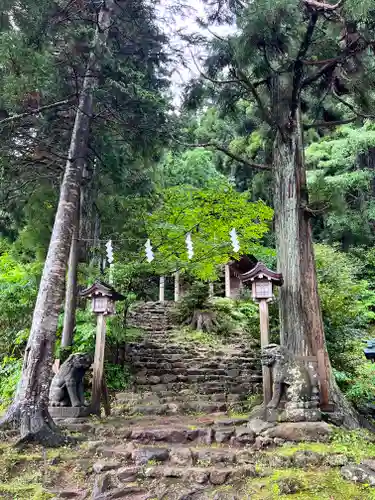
column 301, row 323
column 88, row 214
column 300, row 315
column 30, row 407
column 71, row 291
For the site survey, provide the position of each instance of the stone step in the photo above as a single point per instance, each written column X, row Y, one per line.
column 203, row 388
column 129, row 481
column 153, row 355
column 167, row 378
column 154, row 377
column 173, row 408
column 173, row 455
column 222, row 430
column 167, row 396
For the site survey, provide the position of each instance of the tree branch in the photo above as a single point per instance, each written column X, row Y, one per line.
column 225, row 150
column 298, row 65
column 321, row 6
column 351, row 107
column 14, row 118
column 320, row 62
column 307, row 81
column 313, row 212
column 210, row 79
column 323, row 124
column 234, row 80
column 250, row 86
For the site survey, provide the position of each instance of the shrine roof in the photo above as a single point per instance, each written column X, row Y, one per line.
column 101, row 288
column 245, row 264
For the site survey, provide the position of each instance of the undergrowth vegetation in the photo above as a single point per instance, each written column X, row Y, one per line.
column 347, row 298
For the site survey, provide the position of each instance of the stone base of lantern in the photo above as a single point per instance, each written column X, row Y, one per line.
column 293, row 413
column 69, row 411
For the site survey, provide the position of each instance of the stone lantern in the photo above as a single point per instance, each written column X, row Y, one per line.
column 103, row 298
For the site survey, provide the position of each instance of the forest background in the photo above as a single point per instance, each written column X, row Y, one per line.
column 144, row 177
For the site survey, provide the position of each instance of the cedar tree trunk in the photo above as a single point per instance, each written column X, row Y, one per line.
column 30, row 407
column 301, row 323
column 71, row 291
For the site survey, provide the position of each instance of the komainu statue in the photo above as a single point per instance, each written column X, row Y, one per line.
column 295, row 395
column 67, row 385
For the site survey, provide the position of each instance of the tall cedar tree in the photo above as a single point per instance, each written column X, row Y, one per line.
column 285, row 54
column 102, row 87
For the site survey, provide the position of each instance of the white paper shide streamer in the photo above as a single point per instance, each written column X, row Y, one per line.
column 109, row 250
column 234, row 240
column 189, row 246
column 149, row 252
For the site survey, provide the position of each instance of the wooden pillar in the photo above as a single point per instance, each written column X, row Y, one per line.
column 322, row 365
column 264, row 340
column 98, row 370
column 227, row 281
column 176, row 286
column 161, row 289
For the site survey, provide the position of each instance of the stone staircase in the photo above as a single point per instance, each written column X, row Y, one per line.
column 174, row 375
column 188, row 458
column 173, row 437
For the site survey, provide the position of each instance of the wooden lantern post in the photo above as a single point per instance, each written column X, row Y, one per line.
column 263, row 280
column 103, row 298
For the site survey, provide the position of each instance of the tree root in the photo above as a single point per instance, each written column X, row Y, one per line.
column 35, row 427
column 45, row 436
column 204, row 321
column 12, row 417
column 345, row 415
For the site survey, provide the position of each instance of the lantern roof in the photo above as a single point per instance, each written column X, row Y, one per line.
column 101, row 289
column 260, row 271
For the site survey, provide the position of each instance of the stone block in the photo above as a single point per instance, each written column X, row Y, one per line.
column 105, row 465
column 142, row 456
column 300, row 431
column 258, row 425
column 181, row 456
column 219, row 476
column 223, row 434
column 69, row 411
column 359, row 474
column 244, row 435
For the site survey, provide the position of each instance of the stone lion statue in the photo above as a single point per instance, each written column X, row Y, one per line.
column 67, row 385
column 291, row 379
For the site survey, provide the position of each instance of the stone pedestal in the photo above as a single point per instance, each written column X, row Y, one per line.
column 294, row 413
column 69, row 411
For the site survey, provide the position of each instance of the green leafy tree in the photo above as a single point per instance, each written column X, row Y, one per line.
column 193, row 167
column 341, row 186
column 208, row 215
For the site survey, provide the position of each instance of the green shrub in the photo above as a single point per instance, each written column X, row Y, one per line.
column 197, row 298
column 10, row 372
column 18, row 289
column 361, row 388
column 117, row 377
column 346, row 303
